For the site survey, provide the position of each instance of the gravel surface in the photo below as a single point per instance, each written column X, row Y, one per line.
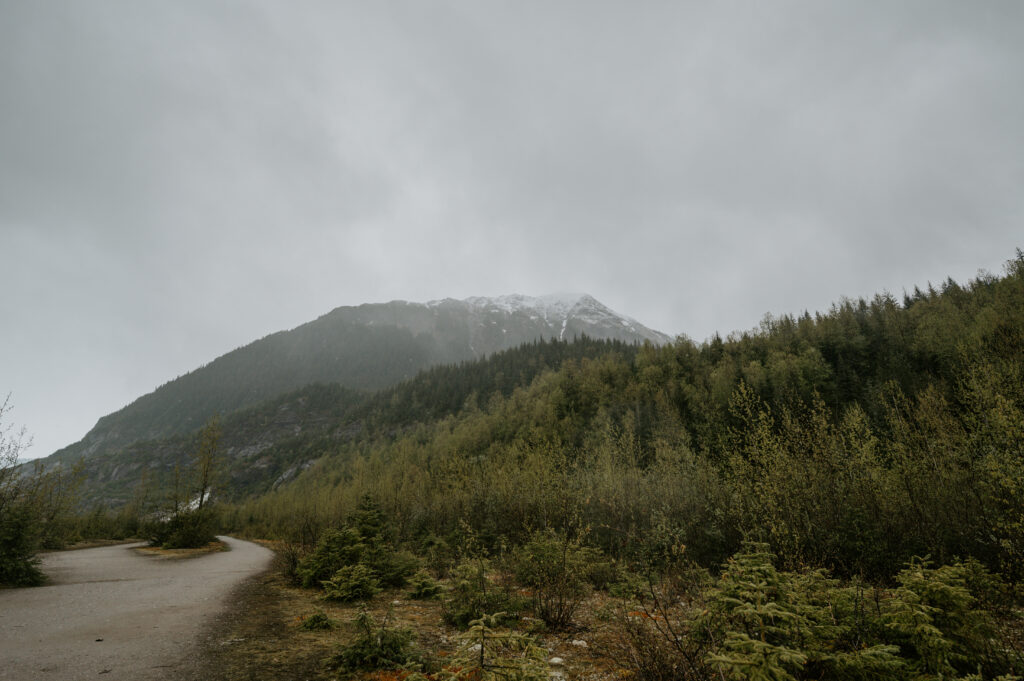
column 110, row 613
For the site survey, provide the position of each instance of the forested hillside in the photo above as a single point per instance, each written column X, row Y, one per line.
column 268, row 444
column 852, row 439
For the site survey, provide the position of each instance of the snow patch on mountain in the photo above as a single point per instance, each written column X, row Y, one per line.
column 562, row 313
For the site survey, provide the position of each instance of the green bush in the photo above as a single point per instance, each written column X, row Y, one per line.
column 629, row 586
column 34, row 506
column 18, row 542
column 473, row 594
column 287, row 558
column 351, row 583
column 392, row 568
column 934, row 617
column 360, row 542
column 766, row 623
column 336, row 549
column 486, row 654
column 185, row 530
column 556, row 569
column 423, row 587
column 437, row 555
column 601, row 574
column 757, row 622
column 318, row 621
column 376, row 646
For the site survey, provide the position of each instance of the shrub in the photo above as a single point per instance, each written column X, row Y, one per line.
column 757, row 622
column 351, row 583
column 18, row 541
column 628, row 586
column 655, row 648
column 335, row 550
column 369, row 521
column 934, row 614
column 424, row 587
column 473, row 594
column 317, row 621
column 34, row 504
column 187, row 529
column 376, row 646
column 391, row 567
column 287, row 558
column 803, row 625
column 601, row 574
column 485, row 654
column 657, row 636
column 438, row 555
column 361, row 542
column 556, row 568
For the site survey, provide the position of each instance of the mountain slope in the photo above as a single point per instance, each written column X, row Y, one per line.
column 268, row 444
column 367, row 347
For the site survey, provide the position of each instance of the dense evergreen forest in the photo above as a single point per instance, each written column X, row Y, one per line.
column 852, row 440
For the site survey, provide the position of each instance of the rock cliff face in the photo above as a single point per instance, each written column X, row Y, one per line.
column 366, row 348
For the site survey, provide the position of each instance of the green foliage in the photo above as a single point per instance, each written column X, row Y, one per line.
column 628, row 586
column 556, row 569
column 423, row 587
column 318, row 621
column 763, row 623
column 485, row 653
column 474, row 593
column 336, row 549
column 758, row 622
column 186, row 529
column 18, row 545
column 360, row 543
column 293, row 380
column 601, row 574
column 351, row 583
column 34, row 506
column 376, row 646
column 392, row 567
column 190, row 519
column 935, row 614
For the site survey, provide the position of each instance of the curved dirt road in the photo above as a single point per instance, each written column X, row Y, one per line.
column 110, row 613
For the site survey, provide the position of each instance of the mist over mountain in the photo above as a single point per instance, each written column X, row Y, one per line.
column 365, row 348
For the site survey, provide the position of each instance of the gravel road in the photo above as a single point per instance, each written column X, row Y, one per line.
column 110, row 613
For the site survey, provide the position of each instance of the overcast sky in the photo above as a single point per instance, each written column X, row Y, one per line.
column 180, row 178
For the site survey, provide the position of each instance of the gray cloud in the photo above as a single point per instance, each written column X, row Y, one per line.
column 177, row 179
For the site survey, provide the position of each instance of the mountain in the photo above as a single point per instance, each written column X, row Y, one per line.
column 269, row 444
column 496, row 324
column 365, row 348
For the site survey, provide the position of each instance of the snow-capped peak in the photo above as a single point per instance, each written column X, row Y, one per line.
column 550, row 307
column 562, row 315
